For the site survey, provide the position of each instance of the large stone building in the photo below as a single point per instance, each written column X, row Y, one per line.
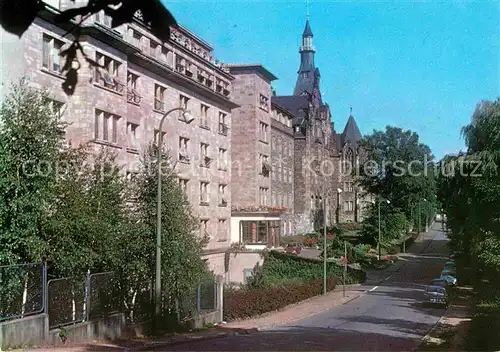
column 287, row 156
column 256, row 166
column 120, row 106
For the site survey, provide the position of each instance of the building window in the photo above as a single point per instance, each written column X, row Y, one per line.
column 56, row 108
column 290, row 200
column 264, row 103
column 51, row 50
column 183, row 103
column 204, row 116
column 153, row 48
column 165, row 54
column 290, row 176
column 106, row 127
column 222, row 124
column 160, row 95
column 155, row 137
column 204, row 157
column 247, row 275
column 204, row 228
column 107, row 75
column 180, row 64
column 136, row 38
column 265, row 167
column 260, row 232
column 263, row 195
column 183, row 183
column 349, row 206
column 290, row 227
column 222, row 159
column 222, row 230
column 184, row 150
column 131, row 175
column 263, row 132
column 102, row 18
column 204, row 193
column 297, row 128
column 132, row 94
column 290, row 150
column 222, row 196
column 132, row 130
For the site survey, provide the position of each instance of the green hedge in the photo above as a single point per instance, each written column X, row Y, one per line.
column 281, row 268
column 246, row 303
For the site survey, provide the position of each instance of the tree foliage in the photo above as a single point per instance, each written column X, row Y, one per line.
column 73, row 208
column 469, row 189
column 399, row 168
column 31, row 136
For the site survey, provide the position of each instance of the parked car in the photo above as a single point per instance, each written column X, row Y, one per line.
column 450, row 265
column 438, row 282
column 293, row 248
column 436, row 295
column 449, row 276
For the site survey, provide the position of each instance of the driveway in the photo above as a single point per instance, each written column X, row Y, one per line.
column 389, row 317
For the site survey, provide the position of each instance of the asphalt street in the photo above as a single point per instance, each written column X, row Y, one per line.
column 389, row 317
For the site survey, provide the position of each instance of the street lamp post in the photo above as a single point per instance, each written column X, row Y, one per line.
column 325, row 195
column 188, row 119
column 379, row 230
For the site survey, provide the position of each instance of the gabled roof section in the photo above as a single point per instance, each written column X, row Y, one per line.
column 252, row 68
column 297, row 105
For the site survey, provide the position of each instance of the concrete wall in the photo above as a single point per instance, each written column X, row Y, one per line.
column 109, row 328
column 239, row 261
column 26, row 331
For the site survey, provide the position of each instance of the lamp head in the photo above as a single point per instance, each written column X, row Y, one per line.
column 339, row 190
column 188, row 118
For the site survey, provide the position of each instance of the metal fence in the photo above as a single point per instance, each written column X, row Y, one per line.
column 22, row 290
column 201, row 300
column 66, row 301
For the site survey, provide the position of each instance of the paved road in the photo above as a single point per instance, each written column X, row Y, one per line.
column 390, row 317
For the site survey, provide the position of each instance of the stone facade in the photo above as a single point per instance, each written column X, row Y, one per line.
column 282, row 160
column 120, row 106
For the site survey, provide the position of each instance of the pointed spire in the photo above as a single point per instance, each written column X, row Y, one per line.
column 307, row 10
column 350, row 110
column 307, row 30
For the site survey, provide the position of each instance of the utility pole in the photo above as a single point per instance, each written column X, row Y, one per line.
column 345, row 266
column 419, row 218
column 324, row 242
column 379, row 232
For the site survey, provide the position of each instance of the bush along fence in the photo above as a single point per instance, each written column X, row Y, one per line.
column 246, row 303
column 64, row 303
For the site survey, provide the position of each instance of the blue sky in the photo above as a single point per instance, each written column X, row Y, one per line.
column 421, row 66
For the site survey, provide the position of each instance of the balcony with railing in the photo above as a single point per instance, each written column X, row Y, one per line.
column 103, row 79
column 223, row 129
column 133, row 97
column 184, row 157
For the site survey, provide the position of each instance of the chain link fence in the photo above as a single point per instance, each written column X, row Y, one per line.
column 24, row 291
column 66, row 301
column 21, row 290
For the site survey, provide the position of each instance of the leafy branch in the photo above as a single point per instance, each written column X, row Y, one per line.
column 17, row 16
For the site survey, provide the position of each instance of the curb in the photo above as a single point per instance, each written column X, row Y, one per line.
column 429, row 331
column 222, row 334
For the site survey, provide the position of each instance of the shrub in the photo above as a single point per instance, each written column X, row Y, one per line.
column 309, row 241
column 250, row 302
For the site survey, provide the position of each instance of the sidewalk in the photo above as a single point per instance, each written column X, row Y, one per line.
column 450, row 331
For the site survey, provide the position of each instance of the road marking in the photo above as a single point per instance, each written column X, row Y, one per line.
column 373, row 289
column 387, row 278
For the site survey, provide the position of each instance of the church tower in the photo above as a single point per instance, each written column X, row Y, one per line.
column 306, row 73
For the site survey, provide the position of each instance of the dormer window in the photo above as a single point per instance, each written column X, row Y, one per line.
column 297, row 128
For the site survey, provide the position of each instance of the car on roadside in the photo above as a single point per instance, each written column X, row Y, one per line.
column 449, row 276
column 439, row 282
column 450, row 265
column 293, row 248
column 436, row 295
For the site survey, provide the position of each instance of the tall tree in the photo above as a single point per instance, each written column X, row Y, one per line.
column 182, row 244
column 31, row 137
